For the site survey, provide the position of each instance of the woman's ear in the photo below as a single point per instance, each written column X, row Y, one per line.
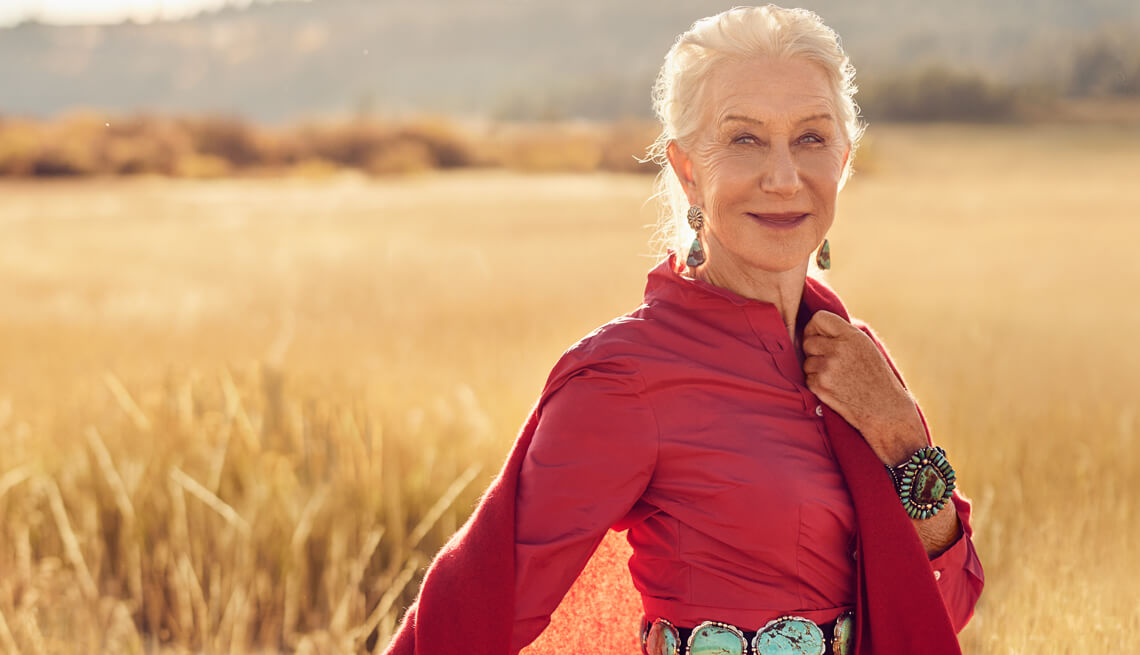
column 683, row 169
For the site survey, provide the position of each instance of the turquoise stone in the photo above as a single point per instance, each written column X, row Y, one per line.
column 928, row 486
column 926, row 483
column 696, row 254
column 790, row 636
column 823, row 258
column 843, row 641
column 716, row 640
column 662, row 640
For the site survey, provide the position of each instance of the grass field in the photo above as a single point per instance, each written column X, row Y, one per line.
column 240, row 415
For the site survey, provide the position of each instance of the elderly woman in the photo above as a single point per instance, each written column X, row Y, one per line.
column 778, row 484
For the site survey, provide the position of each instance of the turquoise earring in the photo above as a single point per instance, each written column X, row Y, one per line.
column 823, row 257
column 696, row 250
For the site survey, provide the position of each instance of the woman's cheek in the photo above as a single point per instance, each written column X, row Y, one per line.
column 825, row 167
column 729, row 169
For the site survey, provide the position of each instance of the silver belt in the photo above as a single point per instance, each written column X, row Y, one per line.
column 787, row 635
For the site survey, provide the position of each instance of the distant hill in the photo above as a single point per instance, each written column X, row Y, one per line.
column 516, row 58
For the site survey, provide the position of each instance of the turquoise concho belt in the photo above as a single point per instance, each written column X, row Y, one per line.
column 787, row 635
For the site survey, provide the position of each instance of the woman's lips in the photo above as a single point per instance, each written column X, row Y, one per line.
column 780, row 221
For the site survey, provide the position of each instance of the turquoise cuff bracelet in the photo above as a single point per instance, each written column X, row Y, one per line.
column 924, row 482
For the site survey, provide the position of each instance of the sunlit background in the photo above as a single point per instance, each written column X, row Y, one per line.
column 88, row 12
column 279, row 282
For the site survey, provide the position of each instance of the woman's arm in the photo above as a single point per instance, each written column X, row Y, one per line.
column 592, row 457
column 849, row 369
column 945, row 536
column 895, row 435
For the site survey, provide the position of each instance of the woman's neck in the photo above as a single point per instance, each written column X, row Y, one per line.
column 784, row 289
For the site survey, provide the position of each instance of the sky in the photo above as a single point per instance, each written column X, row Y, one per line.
column 105, row 11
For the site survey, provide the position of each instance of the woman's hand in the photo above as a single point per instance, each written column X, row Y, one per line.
column 845, row 369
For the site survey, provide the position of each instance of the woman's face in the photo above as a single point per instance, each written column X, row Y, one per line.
column 765, row 164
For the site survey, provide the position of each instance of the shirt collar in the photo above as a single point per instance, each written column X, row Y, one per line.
column 666, row 284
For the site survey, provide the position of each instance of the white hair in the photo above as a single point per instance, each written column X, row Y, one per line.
column 741, row 33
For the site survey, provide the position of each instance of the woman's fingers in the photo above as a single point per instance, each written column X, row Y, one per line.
column 818, row 345
column 827, row 324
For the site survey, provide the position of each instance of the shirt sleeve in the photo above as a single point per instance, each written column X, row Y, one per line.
column 591, row 458
column 959, row 571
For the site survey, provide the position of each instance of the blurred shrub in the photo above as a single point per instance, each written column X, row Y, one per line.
column 63, row 159
column 572, row 147
column 313, row 167
column 196, row 165
column 939, row 94
column 86, row 143
column 401, row 156
column 546, row 147
column 1106, row 65
column 447, row 145
column 144, row 144
column 19, row 147
column 231, row 139
column 625, row 144
column 349, row 145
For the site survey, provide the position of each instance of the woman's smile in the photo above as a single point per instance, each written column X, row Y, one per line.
column 780, row 221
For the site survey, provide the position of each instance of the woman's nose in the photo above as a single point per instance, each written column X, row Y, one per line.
column 781, row 175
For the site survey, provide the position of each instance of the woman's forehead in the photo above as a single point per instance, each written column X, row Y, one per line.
column 767, row 91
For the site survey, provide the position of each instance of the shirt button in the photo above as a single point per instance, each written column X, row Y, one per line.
column 937, row 574
column 819, row 410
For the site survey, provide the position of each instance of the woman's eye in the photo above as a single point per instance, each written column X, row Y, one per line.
column 745, row 139
column 811, row 138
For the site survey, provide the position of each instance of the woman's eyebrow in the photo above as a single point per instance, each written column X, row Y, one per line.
column 815, row 117
column 748, row 119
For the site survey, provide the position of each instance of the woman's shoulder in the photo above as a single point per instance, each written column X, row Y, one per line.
column 620, row 340
column 617, row 349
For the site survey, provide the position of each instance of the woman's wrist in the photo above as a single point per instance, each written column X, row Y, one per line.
column 894, row 443
column 939, row 532
column 895, row 437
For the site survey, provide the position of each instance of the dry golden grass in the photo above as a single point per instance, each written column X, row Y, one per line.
column 240, row 415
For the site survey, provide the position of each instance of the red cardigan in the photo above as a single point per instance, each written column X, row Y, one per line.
column 466, row 601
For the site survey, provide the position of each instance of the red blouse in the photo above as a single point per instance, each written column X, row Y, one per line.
column 693, row 427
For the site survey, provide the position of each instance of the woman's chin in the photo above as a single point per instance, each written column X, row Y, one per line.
column 768, row 263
